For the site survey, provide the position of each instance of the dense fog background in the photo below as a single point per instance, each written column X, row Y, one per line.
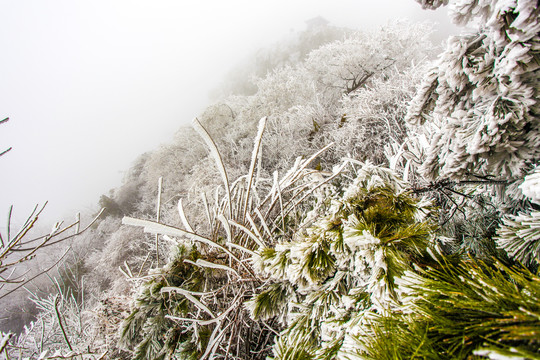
column 88, row 86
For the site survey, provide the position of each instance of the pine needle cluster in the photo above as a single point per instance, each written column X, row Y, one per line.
column 458, row 309
column 329, row 278
column 149, row 329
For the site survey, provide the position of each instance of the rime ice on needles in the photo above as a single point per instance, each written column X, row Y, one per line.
column 531, row 186
column 519, row 236
column 344, row 266
column 483, row 92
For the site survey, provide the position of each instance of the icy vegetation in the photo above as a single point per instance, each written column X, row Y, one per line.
column 356, row 198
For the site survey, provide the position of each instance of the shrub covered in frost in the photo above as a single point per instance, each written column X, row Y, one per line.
column 343, row 268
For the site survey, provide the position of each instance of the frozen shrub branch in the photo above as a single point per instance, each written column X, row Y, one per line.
column 11, row 245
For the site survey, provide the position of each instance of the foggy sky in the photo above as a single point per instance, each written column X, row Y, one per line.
column 90, row 85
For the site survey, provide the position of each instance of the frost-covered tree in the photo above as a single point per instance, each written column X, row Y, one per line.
column 355, row 62
column 372, row 116
column 480, row 101
column 287, row 52
column 352, row 92
column 478, row 111
column 306, row 108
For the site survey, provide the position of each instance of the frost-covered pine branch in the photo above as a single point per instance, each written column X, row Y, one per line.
column 483, row 94
column 343, row 266
column 519, row 236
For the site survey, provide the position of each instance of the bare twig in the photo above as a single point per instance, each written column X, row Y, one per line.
column 6, row 151
column 9, row 149
column 4, row 341
column 447, row 184
column 50, row 243
column 35, row 276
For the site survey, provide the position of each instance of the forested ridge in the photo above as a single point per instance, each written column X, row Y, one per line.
column 351, row 195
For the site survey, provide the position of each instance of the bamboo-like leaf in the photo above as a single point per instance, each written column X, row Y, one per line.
column 313, row 157
column 280, row 198
column 207, row 210
column 256, row 231
column 183, row 217
column 198, row 321
column 217, row 157
column 275, row 185
column 124, row 272
column 153, row 227
column 226, row 226
column 214, row 340
column 406, row 171
column 393, row 159
column 252, row 236
column 166, row 289
column 208, row 264
column 190, row 297
column 170, row 239
column 263, row 222
column 241, row 248
column 330, row 178
column 254, row 156
column 294, row 173
column 128, row 273
column 290, row 173
column 211, row 321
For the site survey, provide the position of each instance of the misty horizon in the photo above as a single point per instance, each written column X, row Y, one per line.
column 89, row 88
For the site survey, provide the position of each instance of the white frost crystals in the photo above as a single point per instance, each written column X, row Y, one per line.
column 483, row 91
column 520, row 238
column 531, row 186
column 342, row 270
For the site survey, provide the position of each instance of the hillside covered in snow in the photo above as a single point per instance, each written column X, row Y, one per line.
column 352, row 195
